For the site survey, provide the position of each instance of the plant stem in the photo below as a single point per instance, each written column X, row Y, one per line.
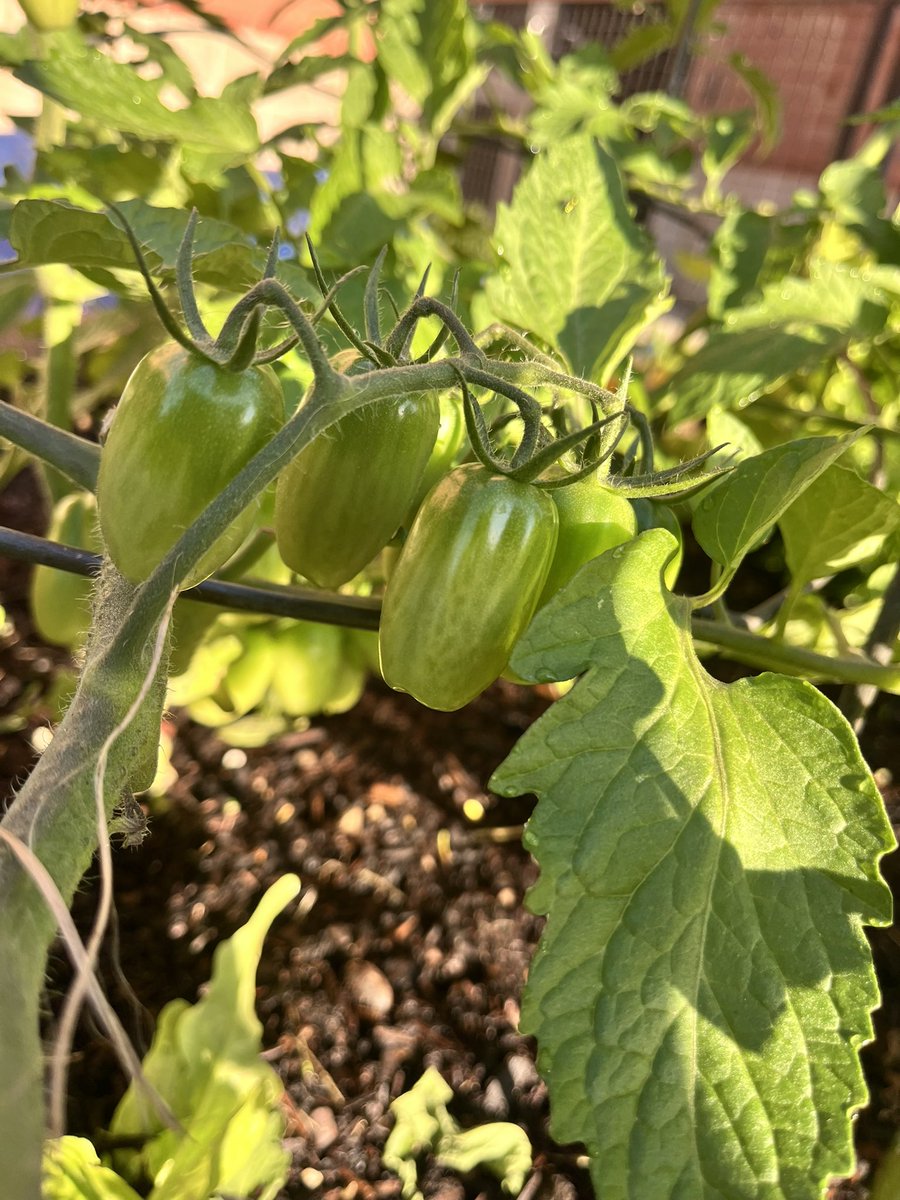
column 767, row 653
column 77, row 459
column 856, row 699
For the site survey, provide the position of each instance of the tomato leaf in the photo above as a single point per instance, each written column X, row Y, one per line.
column 708, row 854
column 839, row 521
column 595, row 282
column 112, row 93
column 47, row 231
column 205, row 1062
column 736, row 514
column 795, row 326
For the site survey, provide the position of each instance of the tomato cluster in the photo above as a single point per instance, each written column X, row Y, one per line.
column 481, row 551
column 470, row 542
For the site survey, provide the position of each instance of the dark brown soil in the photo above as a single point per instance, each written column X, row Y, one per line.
column 410, row 942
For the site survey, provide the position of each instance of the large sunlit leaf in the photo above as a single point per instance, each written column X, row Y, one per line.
column 116, row 96
column 575, row 269
column 708, row 856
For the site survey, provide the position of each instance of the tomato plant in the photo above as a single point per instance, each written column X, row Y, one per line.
column 466, row 584
column 659, row 516
column 708, row 850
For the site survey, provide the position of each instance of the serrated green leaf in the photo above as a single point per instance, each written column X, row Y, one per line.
column 576, row 269
column 737, row 513
column 835, row 294
column 578, row 99
column 795, row 325
column 839, row 521
column 733, row 369
column 708, row 854
column 738, row 253
column 48, row 231
column 115, row 95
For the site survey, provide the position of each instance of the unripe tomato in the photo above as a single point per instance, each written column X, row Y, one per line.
column 450, row 439
column 651, row 515
column 61, row 601
column 592, row 519
column 47, row 15
column 345, row 495
column 181, row 432
column 466, row 585
column 309, row 664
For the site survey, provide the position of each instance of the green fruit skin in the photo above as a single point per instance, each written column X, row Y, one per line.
column 48, row 15
column 181, row 432
column 466, row 585
column 61, row 601
column 451, row 437
column 659, row 516
column 344, row 496
column 592, row 519
column 309, row 668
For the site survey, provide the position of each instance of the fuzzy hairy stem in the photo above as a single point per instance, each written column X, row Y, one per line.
column 55, row 813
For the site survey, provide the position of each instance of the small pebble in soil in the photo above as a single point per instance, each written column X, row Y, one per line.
column 370, row 989
column 325, row 1130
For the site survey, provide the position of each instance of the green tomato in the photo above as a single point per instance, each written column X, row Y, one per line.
column 651, row 515
column 309, row 668
column 181, row 432
column 344, row 496
column 451, row 437
column 61, row 601
column 50, row 14
column 466, row 585
column 247, row 680
column 592, row 519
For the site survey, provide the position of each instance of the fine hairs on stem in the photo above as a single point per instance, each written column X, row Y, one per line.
column 85, row 967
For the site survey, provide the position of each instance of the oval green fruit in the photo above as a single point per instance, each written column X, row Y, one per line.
column 181, row 432
column 60, row 600
column 451, row 437
column 466, row 585
column 652, row 515
column 344, row 496
column 592, row 519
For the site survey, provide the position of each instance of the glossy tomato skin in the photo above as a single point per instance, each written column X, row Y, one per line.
column 592, row 520
column 466, row 585
column 61, row 601
column 653, row 515
column 344, row 496
column 181, row 432
column 445, row 453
